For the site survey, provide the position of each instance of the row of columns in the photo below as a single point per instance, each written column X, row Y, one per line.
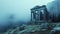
column 35, row 16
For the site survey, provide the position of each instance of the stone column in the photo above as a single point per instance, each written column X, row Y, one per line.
column 31, row 15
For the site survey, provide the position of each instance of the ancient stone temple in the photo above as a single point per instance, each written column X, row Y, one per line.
column 39, row 14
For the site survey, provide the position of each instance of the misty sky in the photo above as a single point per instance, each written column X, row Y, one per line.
column 19, row 8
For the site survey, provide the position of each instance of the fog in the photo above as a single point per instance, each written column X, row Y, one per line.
column 54, row 8
column 19, row 8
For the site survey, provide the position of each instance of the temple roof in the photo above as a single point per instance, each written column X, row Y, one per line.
column 38, row 7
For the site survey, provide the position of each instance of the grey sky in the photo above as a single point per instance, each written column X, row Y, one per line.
column 20, row 8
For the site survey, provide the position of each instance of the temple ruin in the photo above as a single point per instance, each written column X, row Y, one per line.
column 39, row 14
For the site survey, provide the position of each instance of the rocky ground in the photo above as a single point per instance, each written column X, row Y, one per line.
column 31, row 29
